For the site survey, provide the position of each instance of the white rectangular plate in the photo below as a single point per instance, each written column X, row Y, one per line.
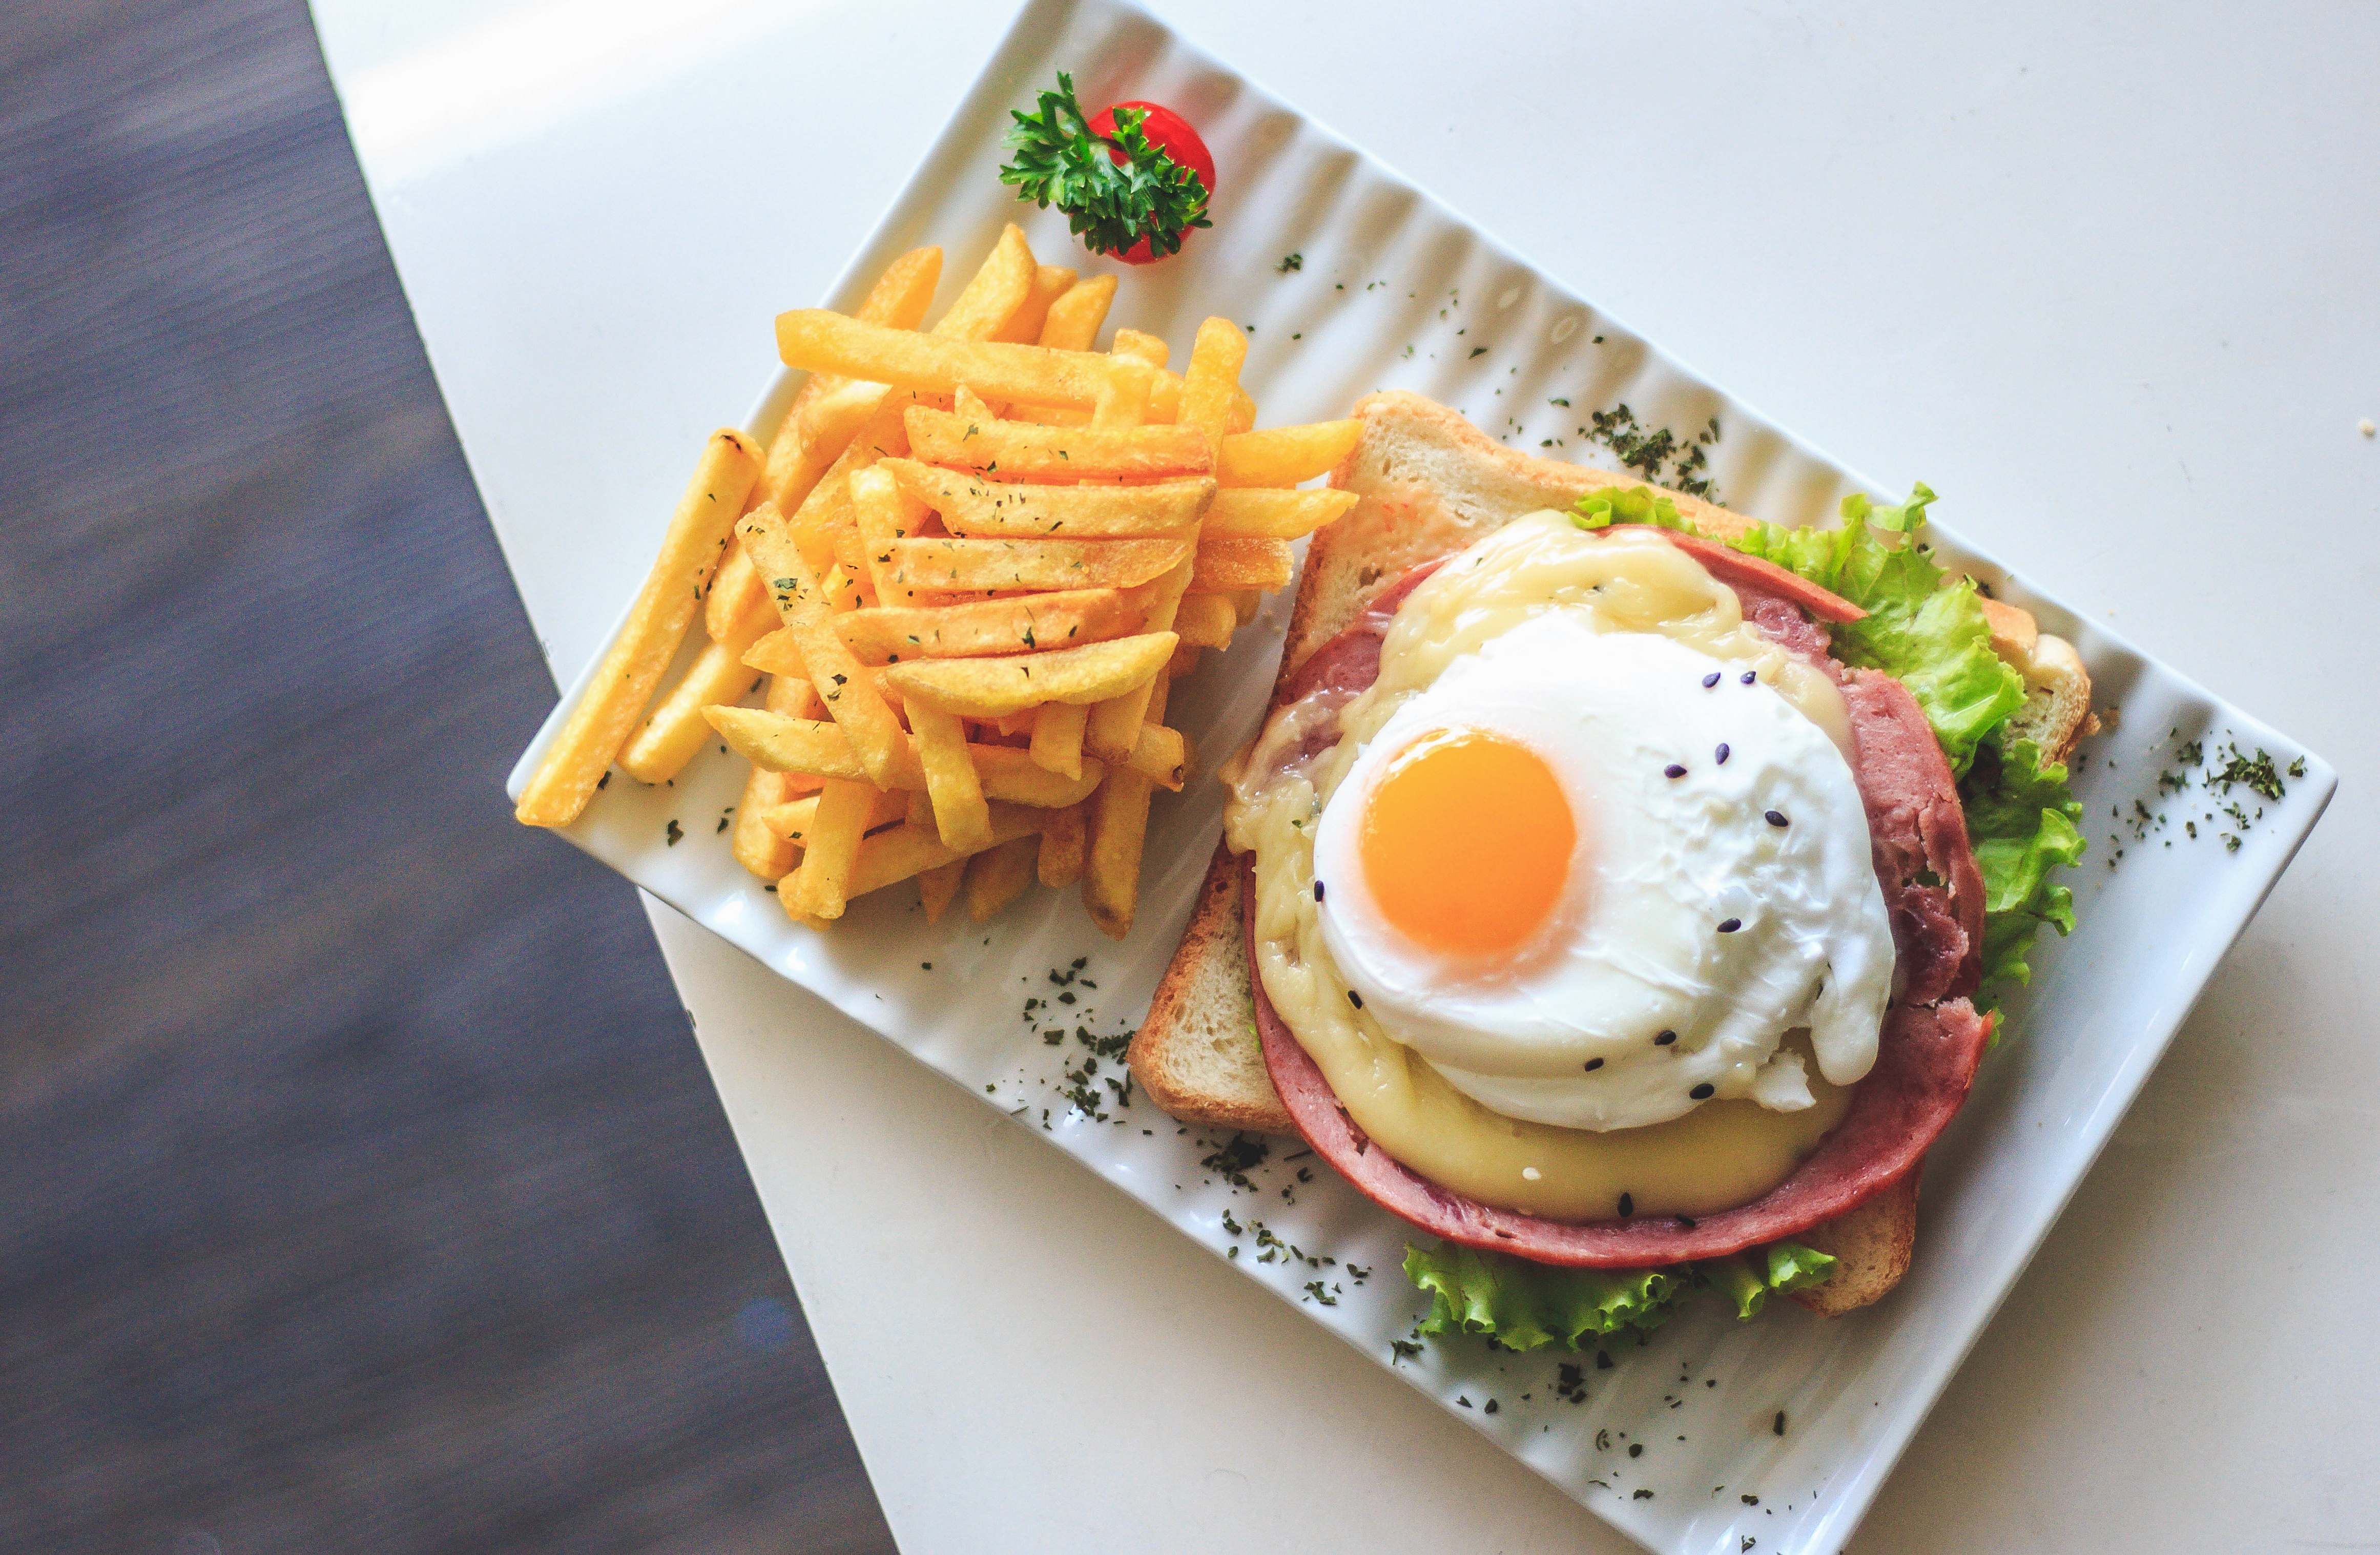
column 1395, row 291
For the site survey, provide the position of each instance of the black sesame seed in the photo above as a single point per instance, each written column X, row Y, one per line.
column 1318, row 884
column 1355, row 999
column 1702, row 1092
column 1673, row 771
column 1729, row 925
column 1665, row 1039
column 1748, row 678
column 1593, row 1064
column 1627, row 1206
column 1722, row 756
column 1710, row 680
column 1775, row 817
column 1687, row 1222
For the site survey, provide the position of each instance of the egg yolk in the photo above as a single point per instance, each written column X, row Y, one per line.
column 1466, row 843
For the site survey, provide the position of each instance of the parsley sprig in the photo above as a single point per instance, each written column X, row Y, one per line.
column 1110, row 205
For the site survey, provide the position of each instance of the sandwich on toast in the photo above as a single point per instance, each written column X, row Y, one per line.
column 1622, row 878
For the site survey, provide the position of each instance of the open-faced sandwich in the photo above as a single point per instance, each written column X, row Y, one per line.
column 1624, row 881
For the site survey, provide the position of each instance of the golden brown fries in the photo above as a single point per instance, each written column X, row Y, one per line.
column 1258, row 512
column 971, row 505
column 1118, row 827
column 998, row 876
column 1227, row 567
column 1206, row 621
column 1286, row 456
column 601, row 723
column 818, row 749
column 994, row 687
column 825, row 341
column 968, row 567
column 887, row 633
column 1019, row 451
column 1073, row 319
column 1051, row 282
column 1029, row 566
column 1063, row 834
column 844, row 684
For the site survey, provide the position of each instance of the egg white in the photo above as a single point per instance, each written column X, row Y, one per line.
column 1636, row 949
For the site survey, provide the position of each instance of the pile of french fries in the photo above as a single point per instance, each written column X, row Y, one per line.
column 964, row 575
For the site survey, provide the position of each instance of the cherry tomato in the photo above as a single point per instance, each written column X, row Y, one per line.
column 1171, row 134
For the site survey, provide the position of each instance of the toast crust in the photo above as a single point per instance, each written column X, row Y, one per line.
column 1429, row 484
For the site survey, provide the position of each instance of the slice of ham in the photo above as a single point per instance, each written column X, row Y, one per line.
column 1924, row 1063
column 1738, row 571
column 1917, row 832
column 1932, row 1040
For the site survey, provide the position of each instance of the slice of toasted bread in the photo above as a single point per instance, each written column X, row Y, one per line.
column 1429, row 483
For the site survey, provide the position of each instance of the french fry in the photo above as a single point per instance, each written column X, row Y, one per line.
column 973, row 507
column 828, row 342
column 918, row 805
column 1143, row 347
column 803, row 448
column 998, row 876
column 1073, row 319
column 756, row 847
column 1050, row 283
column 888, row 634
column 794, row 820
column 1261, row 513
column 666, row 607
column 807, row 746
column 1000, row 286
column 938, row 887
column 1213, row 380
column 1060, row 862
column 1285, row 456
column 1243, row 417
column 1228, row 566
column 898, row 854
column 759, row 850
column 1185, row 660
column 1115, row 724
column 821, row 886
column 1119, row 828
column 1206, row 621
column 994, row 687
column 966, row 565
column 1125, row 404
column 884, row 513
column 847, row 686
column 668, row 739
column 1246, row 602
column 1058, row 738
column 1021, row 451
column 1164, row 391
column 961, row 817
column 1161, row 755
column 827, row 512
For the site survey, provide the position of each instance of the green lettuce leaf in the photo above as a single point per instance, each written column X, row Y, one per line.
column 2021, row 817
column 1628, row 504
column 1792, row 1267
column 1525, row 1306
column 1924, row 627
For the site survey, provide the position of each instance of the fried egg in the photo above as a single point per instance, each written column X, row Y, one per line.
column 1593, row 878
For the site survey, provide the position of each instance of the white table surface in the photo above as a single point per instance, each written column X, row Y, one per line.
column 2110, row 278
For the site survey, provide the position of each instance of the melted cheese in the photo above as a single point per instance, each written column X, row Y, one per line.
column 1722, row 1154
